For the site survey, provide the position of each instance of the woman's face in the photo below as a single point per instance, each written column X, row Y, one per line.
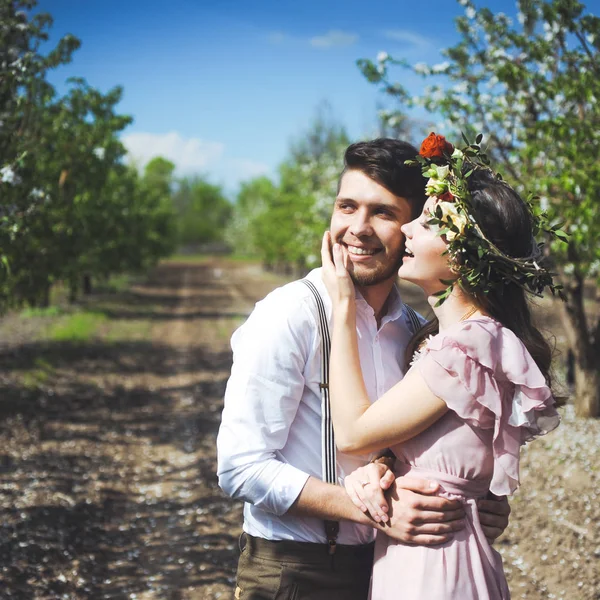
column 423, row 262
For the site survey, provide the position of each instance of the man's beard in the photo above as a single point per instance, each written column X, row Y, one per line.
column 376, row 276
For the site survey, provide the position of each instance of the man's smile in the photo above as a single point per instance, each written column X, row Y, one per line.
column 361, row 250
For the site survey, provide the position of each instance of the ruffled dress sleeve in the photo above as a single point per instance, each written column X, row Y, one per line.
column 487, row 377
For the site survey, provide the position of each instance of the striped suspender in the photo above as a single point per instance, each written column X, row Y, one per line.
column 413, row 318
column 328, row 453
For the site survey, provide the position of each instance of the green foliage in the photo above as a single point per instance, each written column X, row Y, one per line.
column 478, row 263
column 49, row 311
column 78, row 327
column 202, row 212
column 533, row 88
column 69, row 208
column 283, row 224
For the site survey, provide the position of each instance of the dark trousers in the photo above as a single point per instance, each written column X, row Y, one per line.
column 287, row 570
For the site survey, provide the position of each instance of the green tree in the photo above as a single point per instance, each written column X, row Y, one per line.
column 533, row 88
column 24, row 92
column 67, row 203
column 203, row 212
column 287, row 225
column 243, row 232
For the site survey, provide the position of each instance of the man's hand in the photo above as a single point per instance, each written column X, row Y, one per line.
column 366, row 486
column 493, row 515
column 418, row 516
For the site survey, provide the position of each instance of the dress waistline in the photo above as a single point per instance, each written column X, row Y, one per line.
column 469, row 488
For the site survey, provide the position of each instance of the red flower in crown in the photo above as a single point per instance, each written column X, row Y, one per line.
column 446, row 197
column 435, row 146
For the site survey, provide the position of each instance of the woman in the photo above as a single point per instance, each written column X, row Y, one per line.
column 478, row 388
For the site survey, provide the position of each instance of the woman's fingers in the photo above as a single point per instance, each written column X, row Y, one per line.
column 326, row 250
column 387, row 479
column 364, row 488
column 352, row 489
column 340, row 261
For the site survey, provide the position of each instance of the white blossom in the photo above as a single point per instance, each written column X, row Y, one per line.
column 442, row 172
column 470, row 12
column 499, row 53
column 440, row 67
column 8, row 175
column 382, row 57
column 99, row 152
column 437, row 95
column 521, row 18
column 421, row 69
column 461, row 88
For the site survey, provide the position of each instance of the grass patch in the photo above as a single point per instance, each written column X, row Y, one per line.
column 79, row 327
column 38, row 376
column 49, row 311
column 114, row 284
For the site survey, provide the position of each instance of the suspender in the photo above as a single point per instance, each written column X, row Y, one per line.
column 415, row 322
column 328, row 451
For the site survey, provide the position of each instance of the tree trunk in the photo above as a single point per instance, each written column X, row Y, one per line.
column 73, row 291
column 45, row 296
column 87, row 284
column 587, row 392
column 585, row 352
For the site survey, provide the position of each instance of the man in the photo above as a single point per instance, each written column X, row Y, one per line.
column 269, row 443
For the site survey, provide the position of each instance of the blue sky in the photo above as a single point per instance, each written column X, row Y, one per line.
column 222, row 87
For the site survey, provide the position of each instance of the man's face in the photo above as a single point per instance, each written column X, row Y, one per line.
column 367, row 219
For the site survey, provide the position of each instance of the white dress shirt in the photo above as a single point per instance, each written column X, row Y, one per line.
column 269, row 440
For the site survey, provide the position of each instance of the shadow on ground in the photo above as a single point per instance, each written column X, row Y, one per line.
column 108, row 484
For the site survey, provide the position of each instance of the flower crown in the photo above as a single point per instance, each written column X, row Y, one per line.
column 479, row 264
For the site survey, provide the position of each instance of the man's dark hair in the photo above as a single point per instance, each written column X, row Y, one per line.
column 382, row 160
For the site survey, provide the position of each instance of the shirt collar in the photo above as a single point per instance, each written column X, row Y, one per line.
column 394, row 305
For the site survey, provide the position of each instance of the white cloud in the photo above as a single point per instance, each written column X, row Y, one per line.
column 189, row 155
column 192, row 156
column 410, row 38
column 332, row 38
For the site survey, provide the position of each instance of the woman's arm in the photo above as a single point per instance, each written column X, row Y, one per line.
column 404, row 411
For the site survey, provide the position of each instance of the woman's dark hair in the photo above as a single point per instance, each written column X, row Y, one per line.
column 506, row 221
column 382, row 160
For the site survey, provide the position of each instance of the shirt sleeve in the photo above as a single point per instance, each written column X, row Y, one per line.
column 263, row 393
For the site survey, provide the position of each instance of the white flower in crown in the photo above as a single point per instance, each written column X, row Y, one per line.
column 435, row 187
column 451, row 214
column 442, row 172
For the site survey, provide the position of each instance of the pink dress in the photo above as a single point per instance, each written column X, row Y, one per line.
column 498, row 400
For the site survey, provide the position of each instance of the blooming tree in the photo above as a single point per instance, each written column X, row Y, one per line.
column 533, row 88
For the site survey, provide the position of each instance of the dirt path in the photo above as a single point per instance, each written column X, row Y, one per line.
column 108, row 487
column 107, row 461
